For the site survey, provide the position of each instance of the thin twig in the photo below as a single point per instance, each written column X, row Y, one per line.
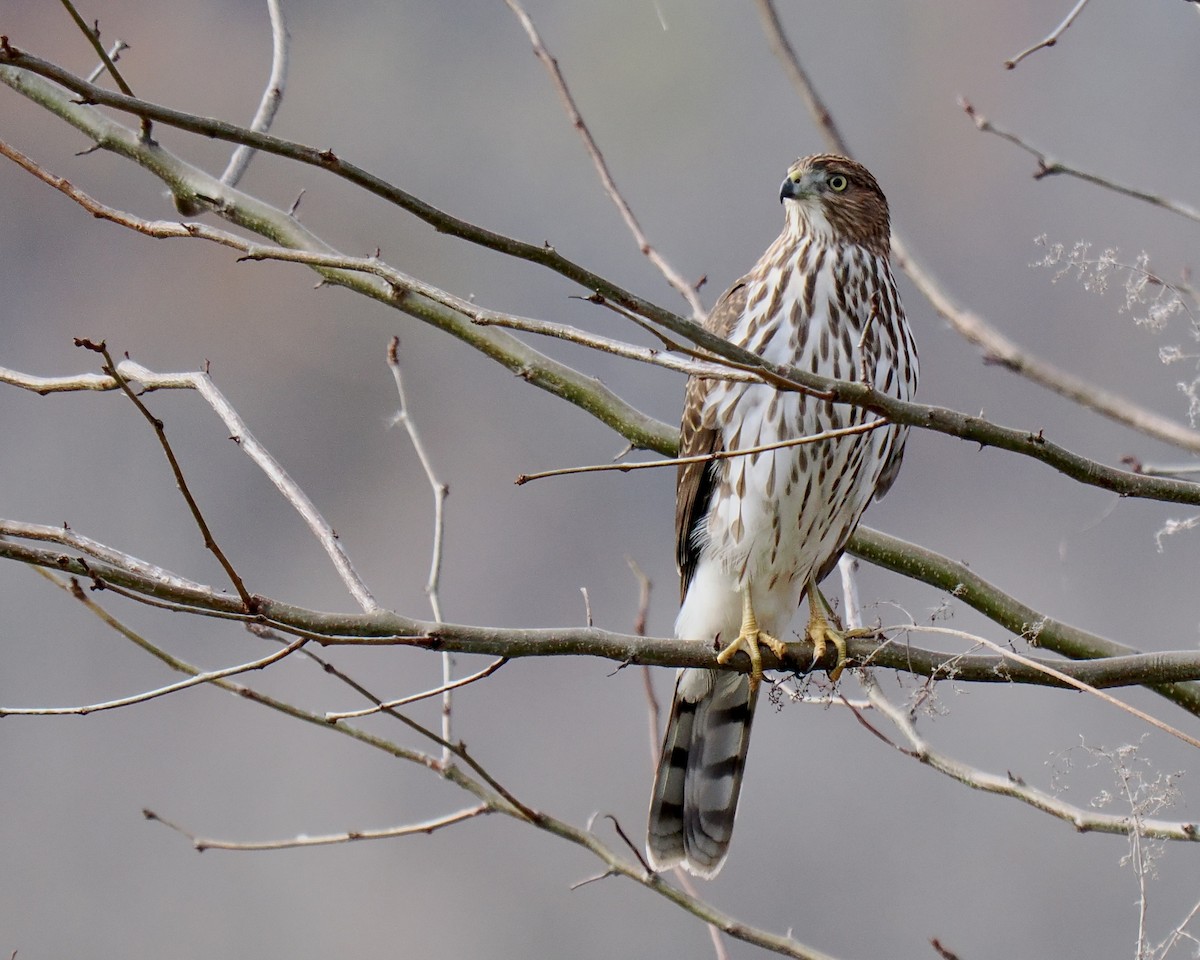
column 114, row 54
column 653, row 710
column 866, row 427
column 109, row 61
column 210, row 542
column 426, row 826
column 404, row 701
column 1048, row 167
column 783, row 49
column 684, row 879
column 1051, row 38
column 200, row 678
column 1178, row 933
column 685, row 289
column 203, row 384
column 1137, row 859
column 272, row 96
column 440, row 490
column 619, row 348
column 1059, row 675
column 1083, row 819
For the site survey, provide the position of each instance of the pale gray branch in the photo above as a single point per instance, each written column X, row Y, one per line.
column 272, row 96
column 1082, row 819
column 198, row 679
column 1051, row 38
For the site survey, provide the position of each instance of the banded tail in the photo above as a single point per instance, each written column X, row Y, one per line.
column 694, row 802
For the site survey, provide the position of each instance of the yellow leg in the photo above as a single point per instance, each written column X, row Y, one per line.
column 748, row 639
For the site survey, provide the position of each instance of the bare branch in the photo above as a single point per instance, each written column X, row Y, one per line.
column 1051, row 38
column 198, row 679
column 426, row 826
column 404, row 701
column 618, row 348
column 1084, row 820
column 440, row 490
column 1039, row 630
column 1057, row 674
column 783, row 49
column 210, row 542
column 496, row 798
column 203, row 384
column 1048, row 167
column 108, row 60
column 686, row 290
column 114, row 54
column 109, row 134
column 1161, row 671
column 272, row 96
column 449, row 314
column 824, row 435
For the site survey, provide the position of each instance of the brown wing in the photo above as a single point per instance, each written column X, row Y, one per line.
column 696, row 481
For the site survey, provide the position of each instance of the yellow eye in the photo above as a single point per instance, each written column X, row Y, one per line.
column 838, row 183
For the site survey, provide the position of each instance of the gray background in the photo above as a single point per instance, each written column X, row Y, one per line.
column 857, row 849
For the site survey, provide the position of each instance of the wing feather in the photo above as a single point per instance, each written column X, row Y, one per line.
column 696, row 481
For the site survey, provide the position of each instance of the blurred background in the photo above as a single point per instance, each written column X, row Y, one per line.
column 855, row 848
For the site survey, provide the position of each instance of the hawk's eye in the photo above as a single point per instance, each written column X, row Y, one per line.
column 838, row 183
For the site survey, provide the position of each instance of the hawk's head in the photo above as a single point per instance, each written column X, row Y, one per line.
column 838, row 201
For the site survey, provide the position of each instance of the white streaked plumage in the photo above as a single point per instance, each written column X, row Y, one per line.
column 822, row 298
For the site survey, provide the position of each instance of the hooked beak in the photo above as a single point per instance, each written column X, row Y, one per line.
column 795, row 189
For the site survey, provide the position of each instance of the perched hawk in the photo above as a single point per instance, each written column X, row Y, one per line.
column 756, row 533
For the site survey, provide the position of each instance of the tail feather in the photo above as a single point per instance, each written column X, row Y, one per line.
column 694, row 802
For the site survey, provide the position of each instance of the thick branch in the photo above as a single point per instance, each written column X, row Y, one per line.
column 1038, row 629
column 385, row 628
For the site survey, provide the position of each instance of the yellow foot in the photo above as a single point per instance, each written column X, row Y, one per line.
column 748, row 639
column 822, row 633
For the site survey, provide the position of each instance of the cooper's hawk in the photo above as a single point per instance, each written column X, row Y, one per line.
column 755, row 533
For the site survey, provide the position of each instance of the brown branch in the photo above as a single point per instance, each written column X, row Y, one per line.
column 487, row 671
column 707, row 457
column 108, row 60
column 782, row 47
column 385, row 628
column 672, row 276
column 160, row 431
